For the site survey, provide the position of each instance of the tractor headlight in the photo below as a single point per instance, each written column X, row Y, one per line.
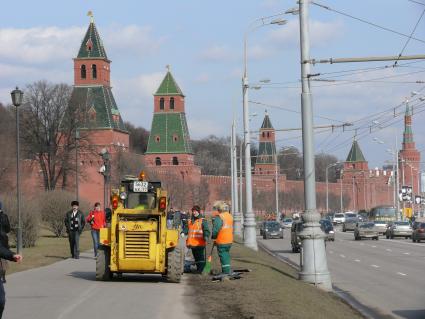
column 123, row 195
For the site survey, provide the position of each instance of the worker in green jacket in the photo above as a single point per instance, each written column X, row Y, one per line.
column 223, row 234
column 198, row 234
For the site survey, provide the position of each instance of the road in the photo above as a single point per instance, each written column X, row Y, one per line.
column 67, row 289
column 387, row 276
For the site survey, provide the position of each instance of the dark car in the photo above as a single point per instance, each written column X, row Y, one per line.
column 262, row 226
column 297, row 227
column 418, row 232
column 327, row 227
column 272, row 229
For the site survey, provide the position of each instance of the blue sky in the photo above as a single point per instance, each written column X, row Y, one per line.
column 203, row 43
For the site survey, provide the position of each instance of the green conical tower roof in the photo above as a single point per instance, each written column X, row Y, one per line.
column 169, row 86
column 355, row 154
column 92, row 46
column 169, row 132
column 267, row 124
column 97, row 107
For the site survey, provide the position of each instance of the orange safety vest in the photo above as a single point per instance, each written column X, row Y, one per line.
column 195, row 236
column 225, row 235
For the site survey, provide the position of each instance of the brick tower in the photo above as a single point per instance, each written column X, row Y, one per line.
column 99, row 122
column 169, row 148
column 266, row 159
column 356, row 174
column 409, row 156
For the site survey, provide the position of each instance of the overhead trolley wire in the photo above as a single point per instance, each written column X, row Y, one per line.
column 365, row 21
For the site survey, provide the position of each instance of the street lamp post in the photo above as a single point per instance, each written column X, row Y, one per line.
column 327, row 185
column 250, row 232
column 77, row 137
column 276, row 189
column 314, row 267
column 17, row 96
column 235, row 204
column 106, row 157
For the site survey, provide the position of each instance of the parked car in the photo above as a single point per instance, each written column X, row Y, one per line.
column 418, row 232
column 366, row 230
column 287, row 222
column 272, row 229
column 328, row 229
column 339, row 218
column 381, row 226
column 351, row 220
column 399, row 229
column 297, row 227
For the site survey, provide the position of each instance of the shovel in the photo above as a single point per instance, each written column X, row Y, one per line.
column 207, row 268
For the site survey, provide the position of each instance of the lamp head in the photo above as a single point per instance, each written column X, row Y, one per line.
column 17, row 96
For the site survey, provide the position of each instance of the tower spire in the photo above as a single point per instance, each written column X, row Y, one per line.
column 408, row 133
column 90, row 14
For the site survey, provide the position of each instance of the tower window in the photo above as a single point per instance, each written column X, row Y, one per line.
column 161, row 103
column 264, row 134
column 158, row 161
column 157, row 139
column 172, row 103
column 94, row 71
column 268, row 134
column 175, row 160
column 83, row 71
column 175, row 137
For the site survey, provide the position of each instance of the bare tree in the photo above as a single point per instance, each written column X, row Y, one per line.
column 7, row 144
column 138, row 138
column 322, row 160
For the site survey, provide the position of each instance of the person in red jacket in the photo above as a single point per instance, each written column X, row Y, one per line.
column 97, row 220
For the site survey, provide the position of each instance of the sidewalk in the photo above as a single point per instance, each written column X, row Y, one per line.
column 68, row 289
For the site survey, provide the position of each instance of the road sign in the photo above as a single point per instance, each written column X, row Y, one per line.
column 407, row 212
column 418, row 199
column 406, row 193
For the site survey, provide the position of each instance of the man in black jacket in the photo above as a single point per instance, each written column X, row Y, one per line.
column 9, row 255
column 74, row 223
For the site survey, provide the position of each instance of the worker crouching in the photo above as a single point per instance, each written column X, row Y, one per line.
column 198, row 234
column 223, row 234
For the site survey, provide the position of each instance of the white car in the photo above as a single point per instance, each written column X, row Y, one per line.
column 339, row 218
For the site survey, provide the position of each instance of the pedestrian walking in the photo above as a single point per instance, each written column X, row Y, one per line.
column 5, row 253
column 222, row 233
column 74, row 224
column 97, row 220
column 198, row 234
column 4, row 240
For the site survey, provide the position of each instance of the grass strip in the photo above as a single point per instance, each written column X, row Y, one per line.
column 271, row 290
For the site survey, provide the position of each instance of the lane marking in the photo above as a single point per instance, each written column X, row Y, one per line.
column 342, row 256
column 361, row 244
column 373, row 246
column 331, row 252
column 406, row 253
column 388, row 249
column 401, row 274
column 375, row 266
column 357, row 260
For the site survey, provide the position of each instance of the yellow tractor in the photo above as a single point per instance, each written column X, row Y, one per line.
column 137, row 239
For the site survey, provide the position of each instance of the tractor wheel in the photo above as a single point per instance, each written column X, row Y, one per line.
column 175, row 264
column 102, row 264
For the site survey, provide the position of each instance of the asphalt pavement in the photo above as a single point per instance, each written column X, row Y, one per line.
column 67, row 289
column 385, row 277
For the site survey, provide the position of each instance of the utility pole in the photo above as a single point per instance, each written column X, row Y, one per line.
column 341, row 205
column 314, row 266
column 236, row 212
column 277, row 189
column 232, row 173
column 241, row 182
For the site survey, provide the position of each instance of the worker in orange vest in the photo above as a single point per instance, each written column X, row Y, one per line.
column 198, row 234
column 223, row 234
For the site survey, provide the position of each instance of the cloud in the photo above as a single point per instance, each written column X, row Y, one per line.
column 217, row 53
column 202, row 78
column 200, row 128
column 320, row 33
column 42, row 45
column 132, row 39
